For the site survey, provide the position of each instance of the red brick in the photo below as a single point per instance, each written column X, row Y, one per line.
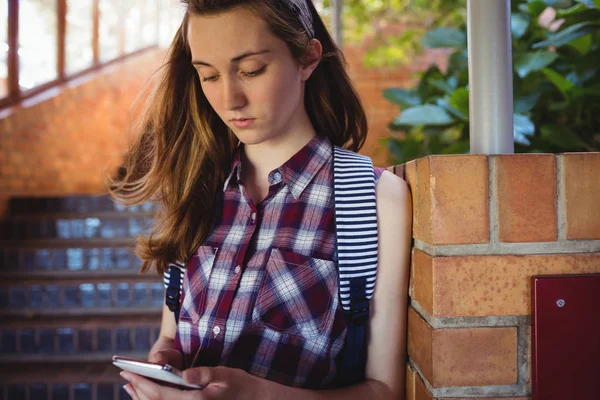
column 452, row 199
column 496, row 285
column 421, row 280
column 526, row 197
column 582, row 193
column 463, row 356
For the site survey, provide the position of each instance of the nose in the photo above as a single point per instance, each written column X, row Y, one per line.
column 234, row 96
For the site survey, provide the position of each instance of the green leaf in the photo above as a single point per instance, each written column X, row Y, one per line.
column 444, row 85
column 562, row 137
column 425, row 89
column 568, row 34
column 536, row 7
column 460, row 147
column 522, row 127
column 424, row 115
column 530, row 61
column 402, row 97
column 458, row 61
column 576, row 9
column 452, row 110
column 445, row 38
column 559, row 3
column 460, row 100
column 451, row 134
column 406, row 149
column 583, row 45
column 562, row 83
column 591, row 3
column 524, row 104
column 519, row 23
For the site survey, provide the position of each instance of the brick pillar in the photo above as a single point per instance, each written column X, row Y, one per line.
column 482, row 226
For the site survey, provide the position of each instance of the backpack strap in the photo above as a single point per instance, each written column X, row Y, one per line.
column 357, row 249
column 173, row 279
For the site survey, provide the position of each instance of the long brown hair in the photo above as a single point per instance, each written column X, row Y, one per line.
column 184, row 150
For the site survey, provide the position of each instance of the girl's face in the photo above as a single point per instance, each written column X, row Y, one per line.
column 247, row 72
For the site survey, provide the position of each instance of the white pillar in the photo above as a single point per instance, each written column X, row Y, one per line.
column 490, row 77
column 336, row 21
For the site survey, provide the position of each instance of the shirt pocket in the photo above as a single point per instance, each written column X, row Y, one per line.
column 196, row 283
column 298, row 294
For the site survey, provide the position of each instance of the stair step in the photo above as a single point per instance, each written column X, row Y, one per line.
column 78, row 227
column 63, row 342
column 69, row 257
column 66, row 243
column 96, row 357
column 79, row 384
column 40, row 277
column 72, row 204
column 65, row 381
column 80, row 297
column 83, row 390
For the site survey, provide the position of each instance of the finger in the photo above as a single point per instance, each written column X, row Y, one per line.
column 173, row 357
column 130, row 391
column 145, row 389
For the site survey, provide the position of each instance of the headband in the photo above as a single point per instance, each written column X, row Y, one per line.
column 300, row 8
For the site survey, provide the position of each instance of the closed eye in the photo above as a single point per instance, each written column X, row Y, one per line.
column 248, row 74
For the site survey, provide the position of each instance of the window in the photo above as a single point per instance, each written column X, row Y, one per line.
column 46, row 42
column 79, row 50
column 133, row 25
column 38, row 33
column 110, row 29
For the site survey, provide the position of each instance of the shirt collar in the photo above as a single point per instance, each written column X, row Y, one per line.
column 298, row 171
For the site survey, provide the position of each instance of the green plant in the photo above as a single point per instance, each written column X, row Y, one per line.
column 367, row 19
column 556, row 83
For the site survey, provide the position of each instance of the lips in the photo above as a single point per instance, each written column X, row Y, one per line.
column 242, row 123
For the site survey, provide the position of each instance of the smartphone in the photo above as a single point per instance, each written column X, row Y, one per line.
column 157, row 372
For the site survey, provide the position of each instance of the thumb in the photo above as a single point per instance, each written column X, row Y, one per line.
column 199, row 375
column 158, row 357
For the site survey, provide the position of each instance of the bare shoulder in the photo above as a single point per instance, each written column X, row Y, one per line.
column 392, row 191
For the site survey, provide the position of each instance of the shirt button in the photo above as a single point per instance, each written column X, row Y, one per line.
column 277, row 176
column 216, row 330
column 237, row 269
column 253, row 217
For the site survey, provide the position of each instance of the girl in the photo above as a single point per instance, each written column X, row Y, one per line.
column 236, row 146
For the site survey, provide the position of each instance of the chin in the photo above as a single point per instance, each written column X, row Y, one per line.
column 249, row 137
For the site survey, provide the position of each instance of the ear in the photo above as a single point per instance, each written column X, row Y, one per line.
column 311, row 59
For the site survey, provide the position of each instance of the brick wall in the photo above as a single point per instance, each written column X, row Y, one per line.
column 483, row 225
column 66, row 140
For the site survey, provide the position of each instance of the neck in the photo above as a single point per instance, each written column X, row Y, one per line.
column 261, row 158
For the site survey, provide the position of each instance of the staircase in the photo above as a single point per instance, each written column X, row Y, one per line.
column 71, row 297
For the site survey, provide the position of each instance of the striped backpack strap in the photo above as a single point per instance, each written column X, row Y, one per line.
column 173, row 279
column 357, row 249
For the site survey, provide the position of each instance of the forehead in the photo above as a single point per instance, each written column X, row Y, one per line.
column 219, row 37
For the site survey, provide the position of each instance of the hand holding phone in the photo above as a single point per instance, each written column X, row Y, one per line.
column 162, row 373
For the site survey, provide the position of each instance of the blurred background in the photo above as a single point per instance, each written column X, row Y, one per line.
column 70, row 70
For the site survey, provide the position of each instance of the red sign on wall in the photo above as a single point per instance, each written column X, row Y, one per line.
column 565, row 324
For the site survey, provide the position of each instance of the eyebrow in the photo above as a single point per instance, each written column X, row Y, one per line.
column 234, row 59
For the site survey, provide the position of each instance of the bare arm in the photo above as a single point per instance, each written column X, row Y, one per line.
column 162, row 351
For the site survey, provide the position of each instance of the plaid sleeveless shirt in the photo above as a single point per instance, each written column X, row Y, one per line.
column 261, row 292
